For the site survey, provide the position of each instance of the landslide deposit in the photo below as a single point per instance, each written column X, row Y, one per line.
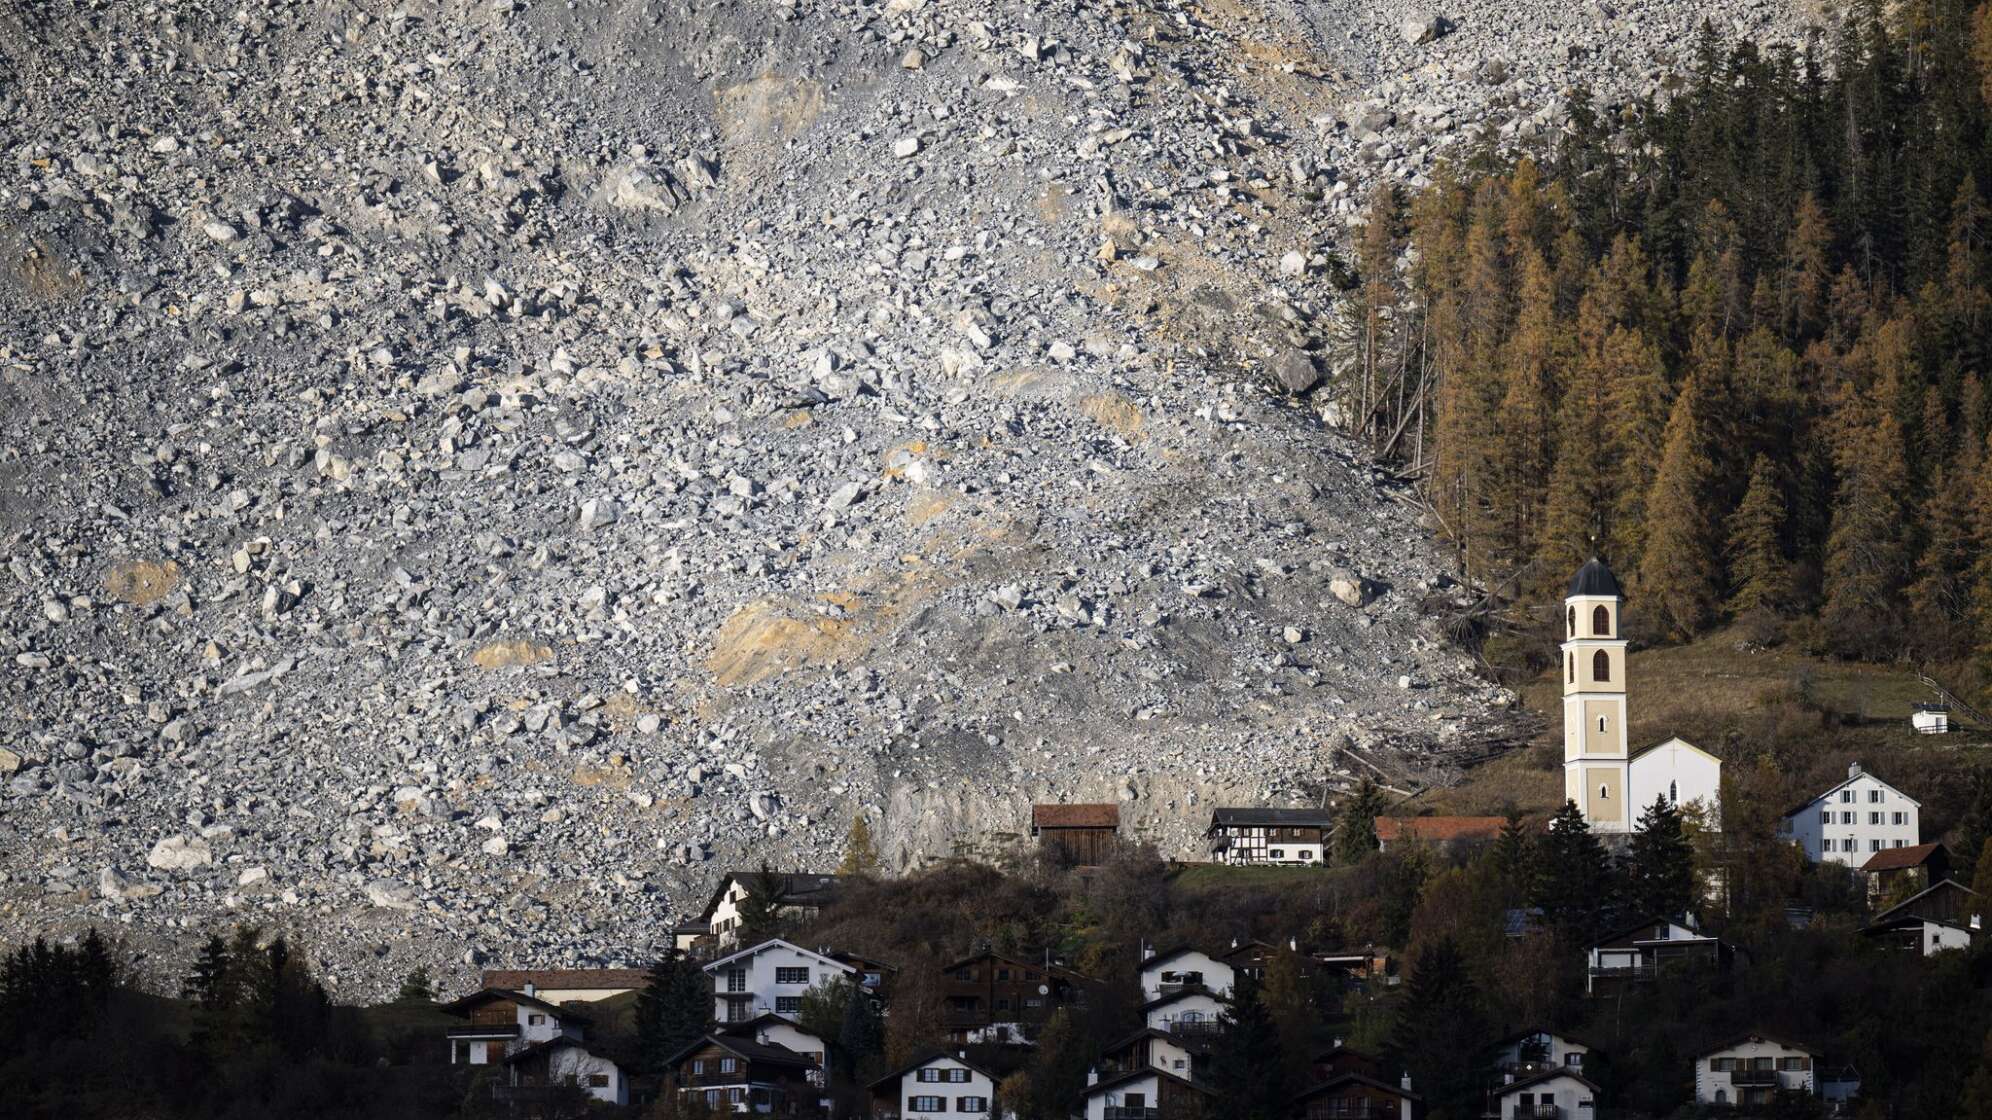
column 470, row 471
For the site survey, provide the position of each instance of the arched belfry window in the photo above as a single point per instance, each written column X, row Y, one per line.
column 1601, row 666
column 1573, row 622
column 1601, row 621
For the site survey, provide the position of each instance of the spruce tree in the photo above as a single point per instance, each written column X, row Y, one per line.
column 1248, row 1064
column 1571, row 884
column 1355, row 828
column 1660, row 864
column 760, row 910
column 673, row 1009
column 1631, row 365
column 1866, row 556
column 1759, row 571
column 1514, row 852
column 1679, row 573
column 1441, row 1031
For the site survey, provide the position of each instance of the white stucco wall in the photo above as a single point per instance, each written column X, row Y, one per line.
column 1192, row 1008
column 1708, row 1082
column 759, row 971
column 951, row 1092
column 1867, row 815
column 1684, row 774
column 1217, row 975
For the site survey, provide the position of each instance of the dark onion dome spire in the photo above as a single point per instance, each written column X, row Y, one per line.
column 1595, row 579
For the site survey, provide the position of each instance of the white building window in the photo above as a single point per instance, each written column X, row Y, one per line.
column 1826, row 816
column 1898, row 818
column 971, row 1104
column 1874, row 845
column 1846, row 797
column 1874, row 797
column 1874, row 818
column 1825, row 845
column 792, row 976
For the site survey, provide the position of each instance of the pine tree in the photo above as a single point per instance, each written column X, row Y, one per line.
column 1571, row 885
column 1806, row 270
column 860, row 854
column 1660, row 864
column 760, row 909
column 1679, row 574
column 1631, row 365
column 1758, row 568
column 1441, row 1030
column 1355, row 828
column 1248, row 1064
column 1526, row 420
column 1291, row 1005
column 1514, row 852
column 1940, row 599
column 673, row 1009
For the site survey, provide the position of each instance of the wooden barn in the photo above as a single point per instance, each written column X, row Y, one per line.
column 1078, row 834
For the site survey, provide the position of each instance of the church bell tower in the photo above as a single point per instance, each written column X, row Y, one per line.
column 1595, row 766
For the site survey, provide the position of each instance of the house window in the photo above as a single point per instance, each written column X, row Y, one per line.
column 928, row 1075
column 1826, row 816
column 1898, row 844
column 1874, row 845
column 971, row 1104
column 535, row 1020
column 792, row 976
column 1825, row 845
column 698, row 1065
column 1002, row 1003
column 736, row 979
column 728, row 1065
column 958, row 1076
column 1306, row 855
column 927, row 1104
column 964, row 974
column 1874, row 818
column 1279, row 853
column 1601, row 622
column 1874, row 797
column 788, row 1005
column 1791, row 1065
column 1898, row 818
column 1574, row 1059
column 1601, row 666
column 1846, row 797
column 1002, row 974
column 598, row 1081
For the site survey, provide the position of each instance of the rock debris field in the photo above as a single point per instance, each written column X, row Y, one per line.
column 471, row 471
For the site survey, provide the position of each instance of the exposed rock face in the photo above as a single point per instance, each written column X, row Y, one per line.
column 468, row 471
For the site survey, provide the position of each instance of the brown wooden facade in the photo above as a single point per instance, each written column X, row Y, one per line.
column 990, row 991
column 1081, row 835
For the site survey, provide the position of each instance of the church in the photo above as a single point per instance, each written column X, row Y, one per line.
column 1611, row 785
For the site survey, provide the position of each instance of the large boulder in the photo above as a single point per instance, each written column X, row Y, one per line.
column 1295, row 371
column 1422, row 28
column 179, row 853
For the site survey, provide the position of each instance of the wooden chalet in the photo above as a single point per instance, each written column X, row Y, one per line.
column 1946, row 901
column 1149, row 1094
column 1903, row 872
column 1270, row 836
column 1083, row 835
column 736, row 1073
column 1356, row 1096
column 1640, row 953
column 993, row 998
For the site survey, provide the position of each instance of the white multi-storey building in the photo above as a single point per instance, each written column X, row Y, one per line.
column 1852, row 821
column 1166, row 974
column 1751, row 1071
column 771, row 977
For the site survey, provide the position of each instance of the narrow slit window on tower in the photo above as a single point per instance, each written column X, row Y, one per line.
column 1601, row 622
column 1573, row 668
column 1601, row 666
column 1601, row 725
column 1573, row 622
column 1604, row 792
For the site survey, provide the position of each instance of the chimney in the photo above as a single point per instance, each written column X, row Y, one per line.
column 1234, row 943
column 1853, row 769
column 1976, row 922
column 1092, row 1076
column 1293, row 944
column 1147, row 950
column 1404, row 1082
column 532, row 989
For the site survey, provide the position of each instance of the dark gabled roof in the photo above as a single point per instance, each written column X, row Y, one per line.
column 486, row 995
column 1594, row 578
column 1898, row 859
column 1097, row 815
column 933, row 1056
column 1627, row 931
column 764, row 1019
column 1160, row 959
column 1137, row 1036
column 743, row 1048
column 1184, row 992
column 1913, row 899
column 751, row 950
column 556, row 1043
column 798, row 888
column 1904, row 921
column 1756, row 1036
column 1227, row 818
column 1547, row 1075
column 1119, row 1079
column 1343, row 1080
column 515, row 979
column 1531, row 1032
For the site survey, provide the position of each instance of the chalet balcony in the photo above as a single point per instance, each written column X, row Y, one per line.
column 508, row 1030
column 1122, row 1112
column 1196, row 1028
column 1753, row 1077
column 1625, row 972
column 964, row 1018
column 1538, row 1112
column 1351, row 1110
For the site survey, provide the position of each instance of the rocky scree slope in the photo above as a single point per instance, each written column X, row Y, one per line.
column 470, row 471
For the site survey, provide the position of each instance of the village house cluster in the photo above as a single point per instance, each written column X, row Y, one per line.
column 756, row 1057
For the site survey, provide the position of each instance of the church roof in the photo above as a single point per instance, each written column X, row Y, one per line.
column 1595, row 579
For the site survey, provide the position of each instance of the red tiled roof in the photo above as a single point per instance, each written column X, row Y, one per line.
column 516, row 979
column 1896, row 859
column 1075, row 816
column 1438, row 829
